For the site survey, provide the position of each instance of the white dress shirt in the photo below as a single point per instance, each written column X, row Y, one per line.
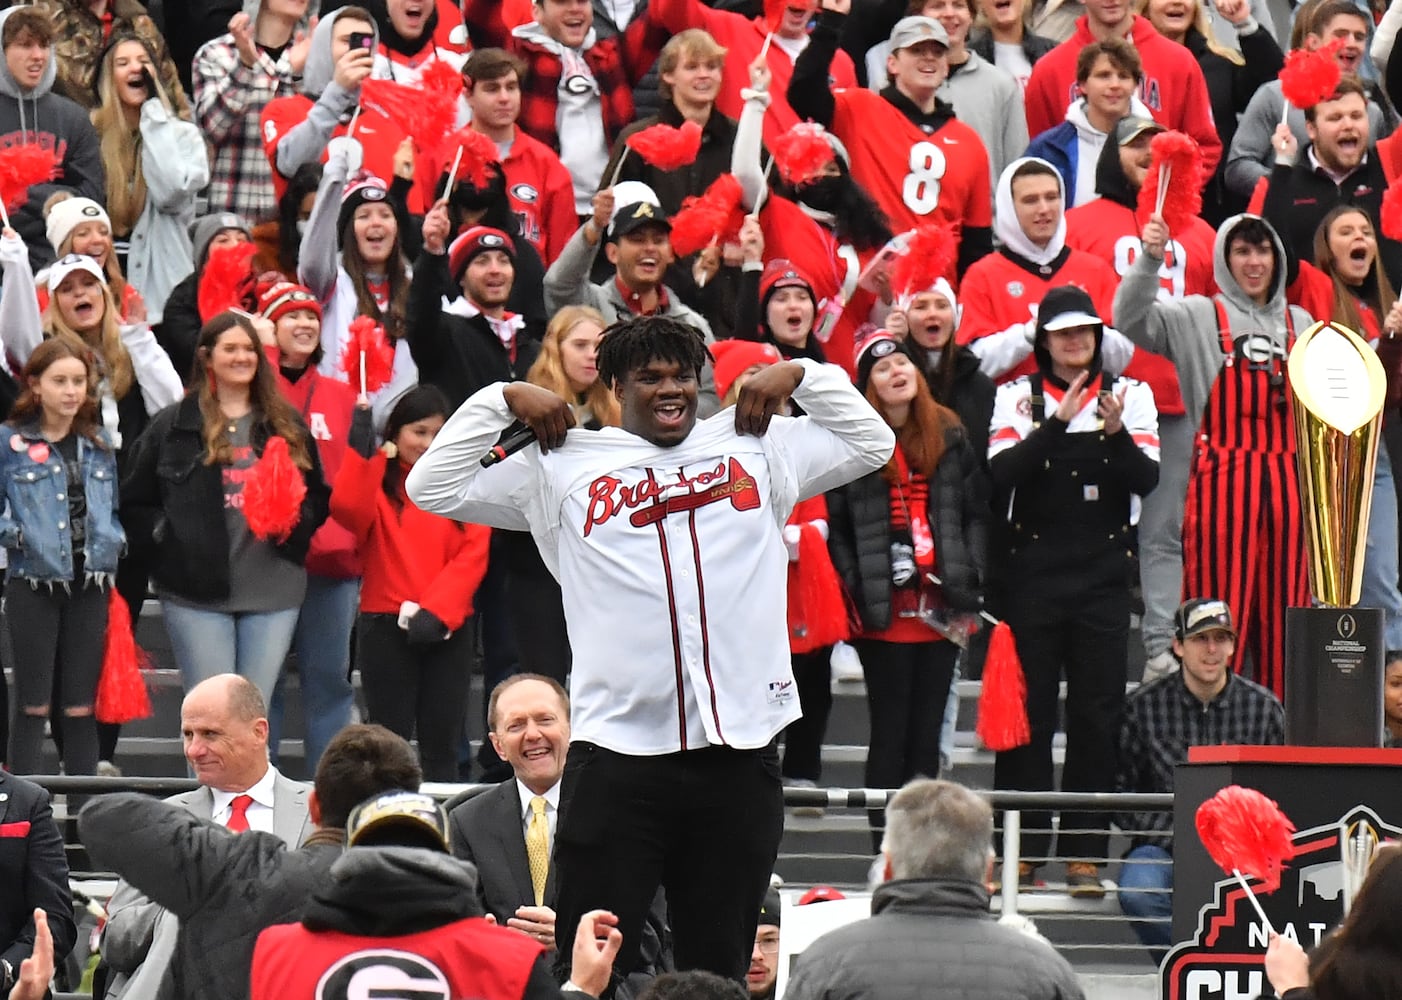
column 260, row 811
column 552, row 808
column 671, row 560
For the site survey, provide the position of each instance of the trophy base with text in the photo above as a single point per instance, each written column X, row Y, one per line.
column 1334, row 666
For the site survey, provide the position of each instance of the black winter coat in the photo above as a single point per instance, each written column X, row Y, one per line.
column 970, row 395
column 173, row 504
column 859, row 529
column 457, row 354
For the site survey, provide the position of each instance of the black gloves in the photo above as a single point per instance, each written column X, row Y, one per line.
column 362, row 432
column 426, row 628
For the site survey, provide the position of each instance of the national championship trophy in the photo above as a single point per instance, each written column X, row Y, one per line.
column 1334, row 658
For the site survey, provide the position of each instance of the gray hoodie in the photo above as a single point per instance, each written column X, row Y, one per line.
column 41, row 117
column 1185, row 330
column 306, row 142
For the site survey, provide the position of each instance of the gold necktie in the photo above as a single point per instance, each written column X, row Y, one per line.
column 538, row 848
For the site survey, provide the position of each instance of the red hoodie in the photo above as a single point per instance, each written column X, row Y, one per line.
column 410, row 555
column 326, row 406
column 1173, row 87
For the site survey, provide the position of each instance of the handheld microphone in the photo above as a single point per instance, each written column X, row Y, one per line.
column 510, row 444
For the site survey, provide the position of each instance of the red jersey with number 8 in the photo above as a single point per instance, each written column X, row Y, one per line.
column 915, row 176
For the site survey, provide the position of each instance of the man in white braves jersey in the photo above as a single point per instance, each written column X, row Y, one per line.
column 666, row 536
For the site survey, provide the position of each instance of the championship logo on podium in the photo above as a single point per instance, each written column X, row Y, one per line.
column 1334, row 653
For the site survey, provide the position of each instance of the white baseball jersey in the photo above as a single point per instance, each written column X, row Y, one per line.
column 1012, row 418
column 671, row 560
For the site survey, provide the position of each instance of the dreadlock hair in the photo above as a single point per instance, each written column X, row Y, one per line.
column 629, row 344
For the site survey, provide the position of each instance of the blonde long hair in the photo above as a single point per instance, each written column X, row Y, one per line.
column 118, row 143
column 1202, row 24
column 113, row 361
column 548, row 371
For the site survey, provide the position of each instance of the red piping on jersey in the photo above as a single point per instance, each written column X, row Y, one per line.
column 672, row 611
column 705, row 632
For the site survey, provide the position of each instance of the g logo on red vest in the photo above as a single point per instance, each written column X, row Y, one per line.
column 384, row 975
column 524, row 193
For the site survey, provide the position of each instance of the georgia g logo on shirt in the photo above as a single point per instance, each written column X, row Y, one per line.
column 385, row 975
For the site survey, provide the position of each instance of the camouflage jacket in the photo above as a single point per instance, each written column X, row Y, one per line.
column 79, row 40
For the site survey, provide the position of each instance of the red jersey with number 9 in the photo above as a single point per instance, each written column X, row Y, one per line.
column 915, row 176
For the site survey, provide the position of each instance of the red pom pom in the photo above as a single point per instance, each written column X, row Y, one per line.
column 714, row 217
column 273, row 493
column 802, row 153
column 665, row 147
column 21, row 167
column 818, row 613
column 1245, row 831
column 367, row 337
column 930, row 253
column 1002, row 704
column 121, row 690
column 1176, row 158
column 1310, row 76
column 1391, row 221
column 227, row 279
column 426, row 112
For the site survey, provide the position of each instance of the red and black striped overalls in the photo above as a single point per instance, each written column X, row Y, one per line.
column 1243, row 531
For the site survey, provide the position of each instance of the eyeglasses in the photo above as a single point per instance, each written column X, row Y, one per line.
column 770, row 946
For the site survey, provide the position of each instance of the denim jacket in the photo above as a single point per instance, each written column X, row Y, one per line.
column 34, row 527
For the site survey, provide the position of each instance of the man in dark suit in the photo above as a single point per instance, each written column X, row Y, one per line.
column 528, row 720
column 33, row 874
column 224, row 725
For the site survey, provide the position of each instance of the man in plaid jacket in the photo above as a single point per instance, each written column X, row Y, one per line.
column 578, row 90
column 235, row 76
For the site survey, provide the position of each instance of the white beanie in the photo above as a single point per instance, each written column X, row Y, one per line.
column 67, row 215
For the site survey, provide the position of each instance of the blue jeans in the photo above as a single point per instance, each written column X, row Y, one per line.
column 1146, row 896
column 322, row 645
column 207, row 643
column 1380, row 570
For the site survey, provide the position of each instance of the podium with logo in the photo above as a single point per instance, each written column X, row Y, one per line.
column 1344, row 802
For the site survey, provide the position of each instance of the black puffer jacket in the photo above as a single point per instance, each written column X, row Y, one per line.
column 970, row 394
column 924, row 932
column 859, row 520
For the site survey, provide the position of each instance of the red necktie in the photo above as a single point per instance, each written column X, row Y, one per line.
column 238, row 813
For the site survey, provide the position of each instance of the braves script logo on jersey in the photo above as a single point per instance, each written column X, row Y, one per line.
column 651, row 501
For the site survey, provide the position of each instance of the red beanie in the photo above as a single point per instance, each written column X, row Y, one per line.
column 732, row 357
column 780, row 273
column 478, row 239
column 284, row 297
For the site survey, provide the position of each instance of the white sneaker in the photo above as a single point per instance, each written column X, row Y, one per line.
column 1159, row 666
column 107, row 769
column 846, row 665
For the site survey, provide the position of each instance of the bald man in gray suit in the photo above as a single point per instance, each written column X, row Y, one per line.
column 224, row 727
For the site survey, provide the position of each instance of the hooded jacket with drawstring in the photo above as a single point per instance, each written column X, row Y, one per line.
column 414, row 903
column 1185, row 330
column 41, row 117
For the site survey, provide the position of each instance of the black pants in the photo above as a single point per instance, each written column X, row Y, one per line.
column 58, row 637
column 499, row 659
column 704, row 824
column 536, row 611
column 1086, row 641
column 419, row 689
column 803, row 739
column 907, row 690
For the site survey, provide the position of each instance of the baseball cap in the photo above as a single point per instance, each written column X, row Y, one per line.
column 1202, row 614
column 916, row 29
column 770, row 909
column 820, row 894
column 66, row 265
column 410, row 811
column 1131, row 127
column 1066, row 307
column 631, row 218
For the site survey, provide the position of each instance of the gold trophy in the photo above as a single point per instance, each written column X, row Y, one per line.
column 1334, row 658
column 1337, row 386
